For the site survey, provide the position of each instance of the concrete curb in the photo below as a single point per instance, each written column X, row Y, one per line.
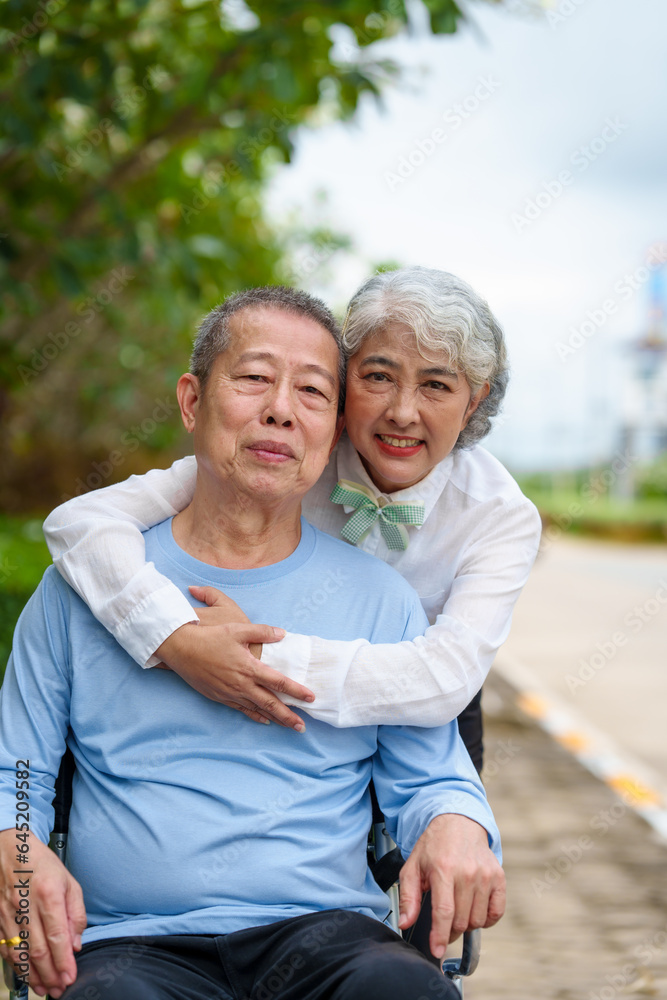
column 638, row 786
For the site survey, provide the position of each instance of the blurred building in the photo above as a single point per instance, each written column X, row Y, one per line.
column 644, row 401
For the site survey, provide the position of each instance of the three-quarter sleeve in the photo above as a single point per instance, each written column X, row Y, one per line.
column 97, row 545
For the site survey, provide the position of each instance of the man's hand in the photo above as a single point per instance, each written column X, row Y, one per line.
column 453, row 859
column 222, row 662
column 55, row 909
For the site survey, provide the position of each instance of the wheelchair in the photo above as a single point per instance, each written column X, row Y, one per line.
column 384, row 858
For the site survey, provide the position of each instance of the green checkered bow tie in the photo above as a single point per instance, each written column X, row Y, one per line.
column 392, row 515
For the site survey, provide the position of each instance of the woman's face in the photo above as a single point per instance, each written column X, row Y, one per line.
column 404, row 412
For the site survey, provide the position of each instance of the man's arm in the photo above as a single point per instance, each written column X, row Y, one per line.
column 436, row 811
column 34, row 717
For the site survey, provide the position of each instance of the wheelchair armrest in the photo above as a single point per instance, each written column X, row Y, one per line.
column 18, row 990
column 386, row 870
column 469, row 960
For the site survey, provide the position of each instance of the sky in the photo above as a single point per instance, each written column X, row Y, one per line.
column 528, row 155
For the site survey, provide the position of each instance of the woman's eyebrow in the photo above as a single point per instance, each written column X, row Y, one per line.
column 446, row 372
column 379, row 359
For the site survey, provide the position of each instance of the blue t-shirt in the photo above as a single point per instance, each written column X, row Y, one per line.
column 187, row 817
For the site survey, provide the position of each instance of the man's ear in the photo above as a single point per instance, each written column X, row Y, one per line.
column 340, row 424
column 475, row 401
column 188, row 392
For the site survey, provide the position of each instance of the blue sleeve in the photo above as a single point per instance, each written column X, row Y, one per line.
column 34, row 707
column 422, row 773
column 416, row 621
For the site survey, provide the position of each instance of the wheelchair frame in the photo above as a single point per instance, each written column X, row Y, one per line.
column 384, row 859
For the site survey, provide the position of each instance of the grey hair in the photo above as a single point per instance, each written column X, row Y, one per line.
column 445, row 314
column 213, row 335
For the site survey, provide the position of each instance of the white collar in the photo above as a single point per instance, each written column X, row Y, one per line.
column 427, row 491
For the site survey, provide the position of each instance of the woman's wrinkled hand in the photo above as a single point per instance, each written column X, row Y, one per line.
column 220, row 658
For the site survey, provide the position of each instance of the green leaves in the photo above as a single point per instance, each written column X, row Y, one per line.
column 138, row 135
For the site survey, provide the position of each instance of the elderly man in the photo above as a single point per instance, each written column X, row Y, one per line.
column 216, row 858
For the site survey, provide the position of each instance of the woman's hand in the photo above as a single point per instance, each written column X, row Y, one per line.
column 221, row 660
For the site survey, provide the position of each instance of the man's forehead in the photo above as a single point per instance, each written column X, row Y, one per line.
column 266, row 315
column 262, row 329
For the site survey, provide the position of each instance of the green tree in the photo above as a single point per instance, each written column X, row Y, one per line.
column 135, row 138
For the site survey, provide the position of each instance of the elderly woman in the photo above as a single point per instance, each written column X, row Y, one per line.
column 408, row 483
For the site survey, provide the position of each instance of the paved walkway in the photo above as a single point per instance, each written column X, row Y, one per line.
column 592, row 625
column 587, row 879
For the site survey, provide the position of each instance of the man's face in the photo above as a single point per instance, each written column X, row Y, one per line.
column 266, row 421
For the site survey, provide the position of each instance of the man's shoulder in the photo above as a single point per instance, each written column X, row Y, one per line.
column 53, row 604
column 54, row 589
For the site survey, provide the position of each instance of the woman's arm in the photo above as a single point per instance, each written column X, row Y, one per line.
column 426, row 682
column 97, row 546
column 429, row 681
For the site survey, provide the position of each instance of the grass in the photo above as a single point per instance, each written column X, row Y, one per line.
column 587, row 513
column 23, row 559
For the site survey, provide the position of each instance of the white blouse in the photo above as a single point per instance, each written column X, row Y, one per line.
column 468, row 562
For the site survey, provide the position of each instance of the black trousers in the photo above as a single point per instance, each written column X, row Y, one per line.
column 330, row 955
column 470, row 728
